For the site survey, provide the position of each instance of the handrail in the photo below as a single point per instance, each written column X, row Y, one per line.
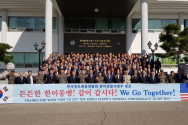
column 171, row 65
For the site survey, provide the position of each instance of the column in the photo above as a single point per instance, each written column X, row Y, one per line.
column 144, row 26
column 181, row 23
column 61, row 34
column 4, row 27
column 128, row 35
column 48, row 28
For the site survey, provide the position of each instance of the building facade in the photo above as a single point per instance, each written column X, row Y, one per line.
column 84, row 26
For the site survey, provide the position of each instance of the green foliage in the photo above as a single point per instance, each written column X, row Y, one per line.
column 4, row 54
column 174, row 42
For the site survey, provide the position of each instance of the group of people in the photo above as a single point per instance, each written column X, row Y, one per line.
column 98, row 68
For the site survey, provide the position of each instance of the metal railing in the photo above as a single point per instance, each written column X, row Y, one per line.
column 104, row 31
column 171, row 65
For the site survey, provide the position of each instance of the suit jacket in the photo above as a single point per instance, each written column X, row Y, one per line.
column 180, row 80
column 109, row 80
column 150, row 61
column 28, row 79
column 70, row 79
column 75, row 72
column 91, row 80
column 150, row 79
column 144, row 66
column 135, row 79
column 126, row 79
column 130, row 72
column 59, row 69
column 103, row 74
column 51, row 80
column 120, row 80
column 144, row 80
column 18, row 80
column 96, row 74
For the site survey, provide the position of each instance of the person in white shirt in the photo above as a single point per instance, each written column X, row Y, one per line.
column 126, row 77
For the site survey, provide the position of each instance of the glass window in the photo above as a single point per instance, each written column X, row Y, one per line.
column 34, row 22
column 72, row 23
column 31, row 58
column 54, row 23
column 17, row 22
column 166, row 22
column 0, row 21
column 185, row 23
column 101, row 24
column 87, row 24
column 154, row 24
column 118, row 24
column 18, row 57
column 136, row 24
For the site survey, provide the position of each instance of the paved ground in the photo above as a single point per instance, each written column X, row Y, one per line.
column 96, row 113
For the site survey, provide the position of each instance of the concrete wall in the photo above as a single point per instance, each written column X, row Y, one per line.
column 136, row 44
column 153, row 37
column 24, row 41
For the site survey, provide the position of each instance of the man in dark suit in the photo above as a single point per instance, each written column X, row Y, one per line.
column 143, row 77
column 51, row 78
column 61, row 67
column 91, row 77
column 72, row 78
column 75, row 70
column 118, row 78
column 96, row 71
column 135, row 77
column 21, row 79
column 30, row 78
column 109, row 78
column 104, row 72
column 130, row 71
column 150, row 61
column 144, row 64
column 152, row 78
column 180, row 78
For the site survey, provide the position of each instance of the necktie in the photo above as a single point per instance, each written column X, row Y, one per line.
column 135, row 77
column 21, row 78
column 51, row 76
column 91, row 75
column 109, row 76
column 153, row 78
column 144, row 77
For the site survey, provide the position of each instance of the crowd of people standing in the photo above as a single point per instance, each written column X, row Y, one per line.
column 98, row 68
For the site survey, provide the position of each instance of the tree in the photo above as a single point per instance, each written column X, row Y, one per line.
column 174, row 42
column 4, row 54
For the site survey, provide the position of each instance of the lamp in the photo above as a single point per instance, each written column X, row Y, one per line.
column 40, row 49
column 149, row 44
column 156, row 46
column 36, row 45
column 96, row 10
column 43, row 43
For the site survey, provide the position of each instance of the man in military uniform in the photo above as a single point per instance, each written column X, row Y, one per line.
column 62, row 78
column 82, row 76
column 11, row 77
column 99, row 78
column 162, row 77
column 172, row 77
column 39, row 79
